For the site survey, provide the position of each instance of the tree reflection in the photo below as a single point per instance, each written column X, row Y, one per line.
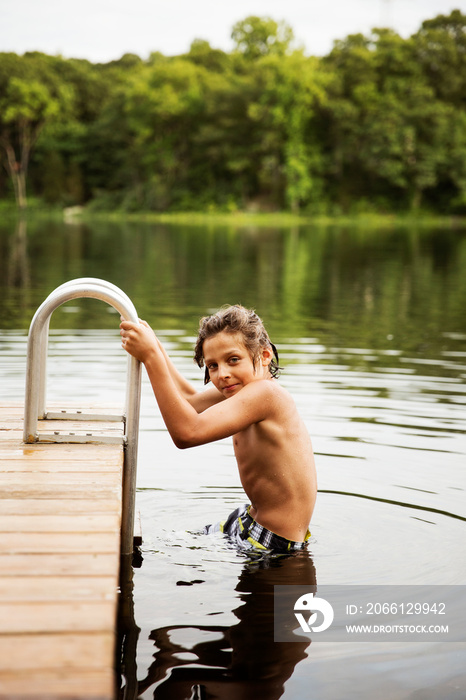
column 18, row 271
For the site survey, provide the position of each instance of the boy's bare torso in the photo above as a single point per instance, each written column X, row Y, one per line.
column 276, row 468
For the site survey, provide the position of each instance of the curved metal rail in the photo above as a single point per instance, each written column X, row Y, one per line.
column 36, row 384
column 85, row 281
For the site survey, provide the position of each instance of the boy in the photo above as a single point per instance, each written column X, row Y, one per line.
column 272, row 447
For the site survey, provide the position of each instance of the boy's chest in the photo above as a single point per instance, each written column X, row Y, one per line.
column 247, row 443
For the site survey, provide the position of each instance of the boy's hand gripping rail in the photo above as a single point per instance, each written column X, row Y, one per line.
column 36, row 387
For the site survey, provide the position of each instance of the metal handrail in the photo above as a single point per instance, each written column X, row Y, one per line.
column 36, row 385
column 86, row 281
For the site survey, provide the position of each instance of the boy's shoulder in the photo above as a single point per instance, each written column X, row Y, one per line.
column 268, row 390
column 268, row 400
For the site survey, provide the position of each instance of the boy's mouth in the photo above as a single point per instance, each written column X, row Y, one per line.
column 230, row 387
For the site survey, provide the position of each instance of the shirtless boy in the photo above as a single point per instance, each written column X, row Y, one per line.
column 272, row 446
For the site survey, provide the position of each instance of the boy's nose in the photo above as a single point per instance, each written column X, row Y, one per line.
column 224, row 370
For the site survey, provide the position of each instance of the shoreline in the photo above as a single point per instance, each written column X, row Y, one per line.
column 79, row 214
column 276, row 219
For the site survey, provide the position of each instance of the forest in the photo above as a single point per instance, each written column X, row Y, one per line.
column 377, row 125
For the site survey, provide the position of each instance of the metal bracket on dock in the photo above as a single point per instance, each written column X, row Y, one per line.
column 35, row 409
column 81, row 437
column 66, row 414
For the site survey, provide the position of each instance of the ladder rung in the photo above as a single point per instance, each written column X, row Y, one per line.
column 79, row 415
column 91, row 438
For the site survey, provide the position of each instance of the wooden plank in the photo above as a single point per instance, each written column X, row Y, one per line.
column 80, row 522
column 15, row 434
column 57, row 588
column 39, row 478
column 10, row 434
column 16, row 449
column 59, row 543
column 15, row 411
column 76, row 616
column 64, row 506
column 63, row 424
column 84, row 491
column 35, row 652
column 98, row 684
column 77, row 564
column 63, row 465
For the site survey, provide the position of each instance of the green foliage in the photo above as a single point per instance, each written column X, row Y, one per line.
column 255, row 37
column 388, row 124
column 31, row 95
column 378, row 124
column 441, row 52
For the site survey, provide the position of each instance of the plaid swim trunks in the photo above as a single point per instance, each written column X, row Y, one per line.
column 248, row 534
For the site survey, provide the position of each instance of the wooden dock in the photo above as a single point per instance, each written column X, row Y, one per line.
column 60, row 518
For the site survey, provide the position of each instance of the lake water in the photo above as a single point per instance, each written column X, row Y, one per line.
column 371, row 329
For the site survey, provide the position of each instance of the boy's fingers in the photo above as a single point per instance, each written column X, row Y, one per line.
column 130, row 325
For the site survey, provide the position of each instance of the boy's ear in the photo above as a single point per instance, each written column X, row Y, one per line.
column 267, row 355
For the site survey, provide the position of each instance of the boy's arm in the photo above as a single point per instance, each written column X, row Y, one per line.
column 200, row 400
column 186, row 426
column 189, row 428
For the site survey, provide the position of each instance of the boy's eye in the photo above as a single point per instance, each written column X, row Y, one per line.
column 234, row 359
column 212, row 366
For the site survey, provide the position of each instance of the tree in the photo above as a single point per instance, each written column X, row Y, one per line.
column 151, row 118
column 441, row 51
column 203, row 54
column 261, row 36
column 387, row 126
column 287, row 94
column 28, row 100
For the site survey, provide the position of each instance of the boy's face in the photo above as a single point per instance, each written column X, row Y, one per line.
column 230, row 364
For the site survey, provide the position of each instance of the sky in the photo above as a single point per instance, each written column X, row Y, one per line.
column 104, row 30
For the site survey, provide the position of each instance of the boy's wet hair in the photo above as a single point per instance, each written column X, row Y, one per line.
column 236, row 319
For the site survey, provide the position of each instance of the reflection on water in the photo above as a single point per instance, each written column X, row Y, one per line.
column 372, row 333
column 237, row 661
column 394, row 288
column 17, row 263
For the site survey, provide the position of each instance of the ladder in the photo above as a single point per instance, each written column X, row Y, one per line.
column 35, row 398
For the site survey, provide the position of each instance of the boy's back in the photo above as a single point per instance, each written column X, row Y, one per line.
column 276, row 466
